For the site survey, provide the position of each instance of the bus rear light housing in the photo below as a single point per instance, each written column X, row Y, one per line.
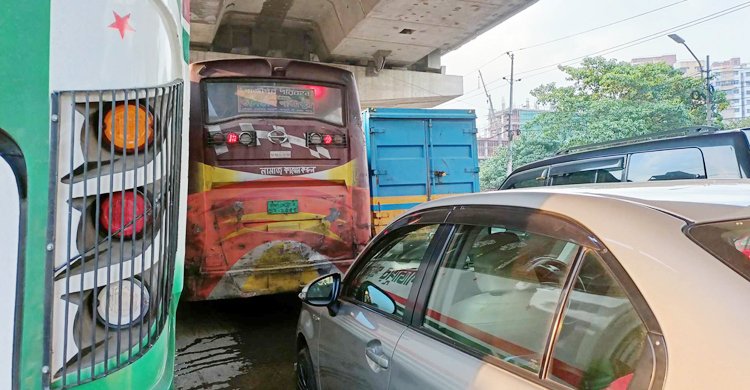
column 128, row 127
column 122, row 303
column 314, row 139
column 124, row 214
column 247, row 138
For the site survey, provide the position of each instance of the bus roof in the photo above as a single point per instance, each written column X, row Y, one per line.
column 261, row 67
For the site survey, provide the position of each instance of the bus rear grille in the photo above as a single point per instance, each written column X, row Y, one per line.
column 114, row 194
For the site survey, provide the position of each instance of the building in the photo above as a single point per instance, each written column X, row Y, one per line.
column 731, row 77
column 669, row 59
column 496, row 133
column 690, row 68
column 486, row 147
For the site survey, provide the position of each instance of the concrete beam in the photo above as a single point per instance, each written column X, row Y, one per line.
column 390, row 88
column 350, row 31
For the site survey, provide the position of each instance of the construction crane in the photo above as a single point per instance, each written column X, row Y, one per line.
column 493, row 125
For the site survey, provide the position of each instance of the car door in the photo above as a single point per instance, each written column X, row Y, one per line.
column 356, row 343
column 493, row 309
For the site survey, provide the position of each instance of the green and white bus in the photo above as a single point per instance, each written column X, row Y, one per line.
column 92, row 190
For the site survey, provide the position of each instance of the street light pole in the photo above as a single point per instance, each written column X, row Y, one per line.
column 510, row 118
column 709, row 95
column 709, row 111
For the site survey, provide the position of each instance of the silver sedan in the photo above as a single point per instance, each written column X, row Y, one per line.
column 601, row 287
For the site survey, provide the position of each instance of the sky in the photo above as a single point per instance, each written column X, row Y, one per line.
column 722, row 38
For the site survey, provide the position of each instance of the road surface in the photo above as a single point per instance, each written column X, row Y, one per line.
column 237, row 344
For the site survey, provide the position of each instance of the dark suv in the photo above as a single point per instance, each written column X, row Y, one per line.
column 688, row 153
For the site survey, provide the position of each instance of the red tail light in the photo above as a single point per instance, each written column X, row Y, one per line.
column 326, row 139
column 128, row 212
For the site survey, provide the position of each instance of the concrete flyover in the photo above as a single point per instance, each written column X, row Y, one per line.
column 392, row 46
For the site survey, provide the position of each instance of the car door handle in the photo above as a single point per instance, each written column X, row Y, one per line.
column 375, row 353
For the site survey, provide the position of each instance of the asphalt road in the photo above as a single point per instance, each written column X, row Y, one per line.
column 237, row 344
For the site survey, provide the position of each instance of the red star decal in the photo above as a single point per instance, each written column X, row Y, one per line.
column 121, row 24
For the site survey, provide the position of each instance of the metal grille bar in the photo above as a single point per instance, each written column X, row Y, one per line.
column 117, row 157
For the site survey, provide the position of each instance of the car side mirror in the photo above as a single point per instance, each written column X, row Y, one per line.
column 323, row 291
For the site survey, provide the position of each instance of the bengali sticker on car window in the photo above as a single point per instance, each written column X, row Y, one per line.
column 273, row 99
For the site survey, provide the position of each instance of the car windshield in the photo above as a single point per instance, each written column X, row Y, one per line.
column 729, row 241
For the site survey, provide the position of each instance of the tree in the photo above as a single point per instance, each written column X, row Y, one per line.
column 492, row 171
column 605, row 100
column 737, row 123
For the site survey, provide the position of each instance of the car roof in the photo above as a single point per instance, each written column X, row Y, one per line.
column 691, row 200
column 704, row 139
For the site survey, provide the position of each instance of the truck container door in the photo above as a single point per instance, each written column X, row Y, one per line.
column 453, row 157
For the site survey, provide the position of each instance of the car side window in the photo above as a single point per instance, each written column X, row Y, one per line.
column 674, row 164
column 389, row 269
column 602, row 343
column 497, row 290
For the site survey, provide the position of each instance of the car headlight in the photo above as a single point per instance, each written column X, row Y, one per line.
column 116, row 315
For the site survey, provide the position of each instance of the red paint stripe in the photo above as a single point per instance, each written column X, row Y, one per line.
column 560, row 369
column 397, row 298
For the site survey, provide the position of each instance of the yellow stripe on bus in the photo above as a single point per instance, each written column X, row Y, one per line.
column 209, row 177
column 317, row 227
column 265, row 217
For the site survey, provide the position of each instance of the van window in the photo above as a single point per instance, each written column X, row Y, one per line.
column 672, row 164
column 532, row 178
column 588, row 171
column 721, row 162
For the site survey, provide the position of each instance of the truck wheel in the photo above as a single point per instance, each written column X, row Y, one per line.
column 304, row 371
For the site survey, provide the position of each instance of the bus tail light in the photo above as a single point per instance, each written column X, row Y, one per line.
column 124, row 214
column 247, row 138
column 120, row 305
column 326, row 139
column 232, row 138
column 129, row 127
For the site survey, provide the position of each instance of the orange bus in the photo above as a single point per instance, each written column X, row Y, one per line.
column 278, row 190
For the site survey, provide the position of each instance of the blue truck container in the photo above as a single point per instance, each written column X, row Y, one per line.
column 415, row 155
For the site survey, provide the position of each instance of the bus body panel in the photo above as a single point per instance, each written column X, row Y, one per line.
column 24, row 117
column 237, row 244
column 52, row 49
column 10, row 241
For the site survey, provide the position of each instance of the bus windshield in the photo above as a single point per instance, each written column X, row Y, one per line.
column 230, row 99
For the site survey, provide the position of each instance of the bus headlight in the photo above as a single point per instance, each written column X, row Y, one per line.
column 122, row 303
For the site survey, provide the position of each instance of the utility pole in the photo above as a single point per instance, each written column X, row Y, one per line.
column 709, row 95
column 493, row 125
column 510, row 116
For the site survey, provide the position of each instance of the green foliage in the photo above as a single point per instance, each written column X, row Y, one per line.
column 737, row 124
column 492, row 171
column 605, row 100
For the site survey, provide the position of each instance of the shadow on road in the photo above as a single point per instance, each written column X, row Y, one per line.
column 237, row 344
